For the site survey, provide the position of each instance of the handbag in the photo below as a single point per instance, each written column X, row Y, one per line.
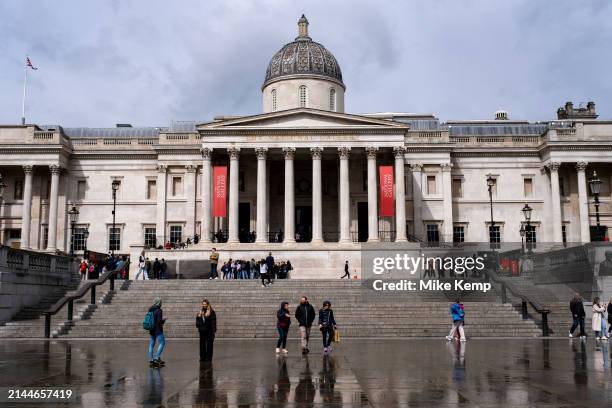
column 336, row 336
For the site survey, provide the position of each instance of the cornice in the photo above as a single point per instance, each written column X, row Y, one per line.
column 358, row 130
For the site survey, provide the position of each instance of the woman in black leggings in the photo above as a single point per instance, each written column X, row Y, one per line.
column 283, row 317
column 327, row 325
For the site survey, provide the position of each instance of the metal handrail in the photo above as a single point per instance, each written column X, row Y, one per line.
column 81, row 292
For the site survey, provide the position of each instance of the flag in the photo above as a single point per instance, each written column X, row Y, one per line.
column 29, row 64
column 219, row 191
column 386, row 191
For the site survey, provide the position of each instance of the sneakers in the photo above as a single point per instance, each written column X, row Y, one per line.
column 157, row 363
column 304, row 351
column 571, row 335
column 604, row 338
column 152, row 363
column 277, row 350
column 463, row 339
column 285, row 351
column 263, row 286
column 449, row 338
column 325, row 350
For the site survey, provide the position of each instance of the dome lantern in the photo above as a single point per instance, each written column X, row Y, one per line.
column 302, row 29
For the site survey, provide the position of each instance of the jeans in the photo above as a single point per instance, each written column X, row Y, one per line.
column 304, row 336
column 282, row 337
column 578, row 321
column 457, row 325
column 328, row 335
column 213, row 271
column 160, row 348
column 145, row 275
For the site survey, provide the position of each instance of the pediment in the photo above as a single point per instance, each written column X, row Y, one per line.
column 303, row 118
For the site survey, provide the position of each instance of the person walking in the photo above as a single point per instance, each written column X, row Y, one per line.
column 577, row 309
column 346, row 271
column 327, row 325
column 263, row 273
column 206, row 322
column 142, row 267
column 305, row 315
column 157, row 334
column 598, row 322
column 283, row 321
column 214, row 261
column 609, row 317
column 458, row 316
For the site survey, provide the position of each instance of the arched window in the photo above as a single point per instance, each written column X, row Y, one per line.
column 274, row 99
column 332, row 100
column 303, row 96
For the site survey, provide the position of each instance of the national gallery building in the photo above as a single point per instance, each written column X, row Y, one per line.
column 305, row 174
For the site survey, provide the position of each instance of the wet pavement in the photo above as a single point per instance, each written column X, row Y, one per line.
column 379, row 373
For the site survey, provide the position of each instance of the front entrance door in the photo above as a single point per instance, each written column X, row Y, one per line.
column 362, row 221
column 303, row 223
column 244, row 221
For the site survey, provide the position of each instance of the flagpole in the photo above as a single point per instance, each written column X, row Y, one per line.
column 25, row 81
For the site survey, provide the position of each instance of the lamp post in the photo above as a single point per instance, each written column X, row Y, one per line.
column 73, row 215
column 115, row 185
column 595, row 187
column 490, row 185
column 528, row 233
column 522, row 232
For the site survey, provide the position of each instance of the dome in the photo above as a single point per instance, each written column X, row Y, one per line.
column 303, row 57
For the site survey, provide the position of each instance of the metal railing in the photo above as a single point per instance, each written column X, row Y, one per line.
column 81, row 292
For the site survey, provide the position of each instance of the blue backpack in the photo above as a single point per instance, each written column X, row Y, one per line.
column 149, row 321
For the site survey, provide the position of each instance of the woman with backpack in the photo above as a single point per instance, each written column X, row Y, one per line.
column 283, row 317
column 206, row 322
column 327, row 325
column 154, row 323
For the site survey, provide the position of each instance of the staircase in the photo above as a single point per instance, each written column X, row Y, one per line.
column 246, row 310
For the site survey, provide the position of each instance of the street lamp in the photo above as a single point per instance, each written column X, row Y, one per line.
column 490, row 185
column 528, row 233
column 73, row 215
column 115, row 185
column 522, row 232
column 595, row 187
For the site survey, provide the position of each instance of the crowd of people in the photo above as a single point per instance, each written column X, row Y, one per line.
column 151, row 270
column 92, row 268
column 598, row 320
column 267, row 269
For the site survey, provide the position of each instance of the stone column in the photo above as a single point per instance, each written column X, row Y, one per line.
column 417, row 199
column 345, row 196
column 206, row 194
column 234, row 154
column 317, row 202
column 447, row 190
column 162, row 181
column 400, row 195
column 583, row 205
column 289, row 152
column 190, row 188
column 372, row 195
column 555, row 201
column 26, row 217
column 53, row 206
column 262, row 206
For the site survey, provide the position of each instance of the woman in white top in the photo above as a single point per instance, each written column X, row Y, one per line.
column 598, row 321
column 263, row 272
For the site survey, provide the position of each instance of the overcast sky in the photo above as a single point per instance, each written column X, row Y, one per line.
column 151, row 62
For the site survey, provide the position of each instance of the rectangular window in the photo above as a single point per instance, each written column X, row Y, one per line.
column 177, row 186
column 81, row 187
column 151, row 189
column 79, row 239
column 495, row 235
column 530, row 234
column 458, row 234
column 431, row 185
column 176, row 233
column 114, row 239
column 18, row 193
column 457, row 185
column 432, row 233
column 528, row 187
column 150, row 236
column 564, row 233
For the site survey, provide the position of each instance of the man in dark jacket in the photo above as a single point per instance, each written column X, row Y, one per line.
column 156, row 269
column 270, row 265
column 346, row 271
column 157, row 334
column 305, row 315
column 577, row 309
column 206, row 322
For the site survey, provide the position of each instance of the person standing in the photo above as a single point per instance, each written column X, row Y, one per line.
column 214, row 261
column 458, row 316
column 577, row 309
column 270, row 266
column 346, row 271
column 156, row 269
column 206, row 322
column 263, row 273
column 157, row 334
column 327, row 325
column 610, row 317
column 598, row 321
column 305, row 315
column 163, row 267
column 283, row 321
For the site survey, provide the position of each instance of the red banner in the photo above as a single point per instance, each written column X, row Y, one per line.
column 387, row 201
column 219, row 191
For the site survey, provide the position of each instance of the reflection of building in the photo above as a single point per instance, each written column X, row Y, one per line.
column 605, row 266
column 305, row 167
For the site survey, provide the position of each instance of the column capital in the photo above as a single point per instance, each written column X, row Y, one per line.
column 27, row 169
column 344, row 152
column 191, row 168
column 316, row 152
column 371, row 152
column 261, row 153
column 553, row 166
column 55, row 169
column 162, row 168
column 234, row 153
column 446, row 166
column 206, row 152
column 288, row 152
column 416, row 167
column 581, row 165
column 398, row 151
